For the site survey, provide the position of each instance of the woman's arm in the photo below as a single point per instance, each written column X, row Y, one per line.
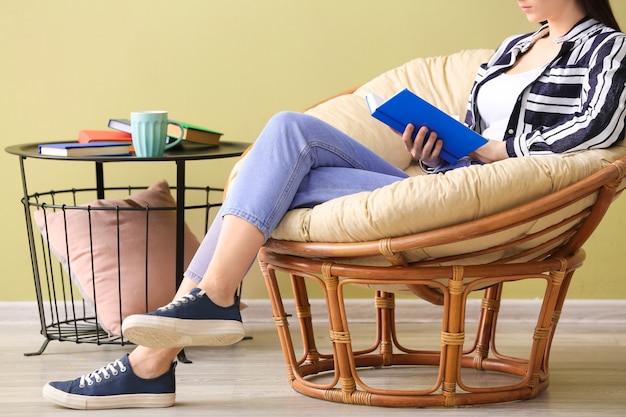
column 492, row 151
column 427, row 146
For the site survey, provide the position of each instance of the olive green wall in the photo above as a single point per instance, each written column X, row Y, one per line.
column 227, row 64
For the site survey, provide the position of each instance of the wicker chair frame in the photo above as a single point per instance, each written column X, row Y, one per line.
column 447, row 282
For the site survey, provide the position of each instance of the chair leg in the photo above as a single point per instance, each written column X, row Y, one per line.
column 486, row 324
column 385, row 325
column 280, row 319
column 303, row 311
column 550, row 310
column 556, row 316
column 340, row 338
column 453, row 336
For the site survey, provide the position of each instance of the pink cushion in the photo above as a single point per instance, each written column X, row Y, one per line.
column 130, row 270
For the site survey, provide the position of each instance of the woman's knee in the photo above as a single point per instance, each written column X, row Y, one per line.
column 288, row 126
column 288, row 118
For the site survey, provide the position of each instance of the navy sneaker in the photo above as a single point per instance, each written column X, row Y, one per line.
column 113, row 386
column 192, row 320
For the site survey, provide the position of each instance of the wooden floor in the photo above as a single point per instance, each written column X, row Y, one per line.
column 588, row 370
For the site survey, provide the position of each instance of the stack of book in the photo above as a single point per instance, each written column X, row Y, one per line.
column 117, row 140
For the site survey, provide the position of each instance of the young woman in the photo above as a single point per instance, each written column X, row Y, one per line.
column 560, row 89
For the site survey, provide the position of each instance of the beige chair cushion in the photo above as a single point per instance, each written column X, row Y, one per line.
column 427, row 202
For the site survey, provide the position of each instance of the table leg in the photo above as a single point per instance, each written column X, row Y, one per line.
column 100, row 180
column 180, row 220
column 34, row 262
column 180, row 234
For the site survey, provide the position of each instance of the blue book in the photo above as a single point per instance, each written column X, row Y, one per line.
column 405, row 107
column 85, row 149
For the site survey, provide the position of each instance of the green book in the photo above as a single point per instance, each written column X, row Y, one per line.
column 192, row 133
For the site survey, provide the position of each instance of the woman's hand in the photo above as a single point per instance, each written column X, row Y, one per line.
column 493, row 150
column 425, row 147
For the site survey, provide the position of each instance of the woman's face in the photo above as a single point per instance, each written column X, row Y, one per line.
column 538, row 11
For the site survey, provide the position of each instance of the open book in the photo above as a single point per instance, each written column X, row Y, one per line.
column 405, row 107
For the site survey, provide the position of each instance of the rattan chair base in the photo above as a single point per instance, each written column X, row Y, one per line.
column 339, row 374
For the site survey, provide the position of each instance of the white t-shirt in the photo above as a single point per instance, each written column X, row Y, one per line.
column 496, row 100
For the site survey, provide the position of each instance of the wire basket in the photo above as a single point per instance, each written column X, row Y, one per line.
column 69, row 310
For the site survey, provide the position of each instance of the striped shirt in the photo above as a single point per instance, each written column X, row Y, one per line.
column 578, row 102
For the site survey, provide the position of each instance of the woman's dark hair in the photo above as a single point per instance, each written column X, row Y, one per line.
column 601, row 11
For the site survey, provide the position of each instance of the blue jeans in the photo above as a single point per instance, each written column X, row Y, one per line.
column 297, row 161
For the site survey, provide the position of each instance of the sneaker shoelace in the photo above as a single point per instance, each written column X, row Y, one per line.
column 180, row 301
column 103, row 373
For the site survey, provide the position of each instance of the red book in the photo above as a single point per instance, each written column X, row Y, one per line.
column 86, row 136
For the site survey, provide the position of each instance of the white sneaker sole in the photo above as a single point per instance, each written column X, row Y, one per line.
column 166, row 332
column 84, row 402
